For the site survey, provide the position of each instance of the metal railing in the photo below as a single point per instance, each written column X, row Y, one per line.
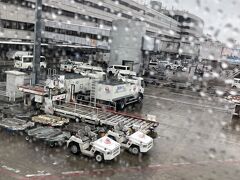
column 3, row 93
column 77, row 108
column 3, row 84
column 98, row 104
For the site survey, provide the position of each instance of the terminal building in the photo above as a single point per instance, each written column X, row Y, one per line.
column 86, row 25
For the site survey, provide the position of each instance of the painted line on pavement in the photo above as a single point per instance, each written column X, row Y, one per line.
column 187, row 103
column 136, row 169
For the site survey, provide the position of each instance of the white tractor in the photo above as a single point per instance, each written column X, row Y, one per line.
column 136, row 142
column 102, row 149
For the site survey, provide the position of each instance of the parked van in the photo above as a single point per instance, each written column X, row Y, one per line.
column 125, row 70
column 26, row 62
column 12, row 54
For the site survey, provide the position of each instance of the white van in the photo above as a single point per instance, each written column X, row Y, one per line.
column 125, row 70
column 26, row 62
column 12, row 54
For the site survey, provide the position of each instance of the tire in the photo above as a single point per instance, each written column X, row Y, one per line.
column 134, row 150
column 42, row 67
column 52, row 144
column 168, row 67
column 99, row 157
column 179, row 69
column 74, row 148
column 121, row 105
column 27, row 138
column 140, row 98
column 29, row 68
column 110, row 73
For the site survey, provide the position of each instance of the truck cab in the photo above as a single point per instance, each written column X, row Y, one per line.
column 26, row 62
column 138, row 81
column 102, row 149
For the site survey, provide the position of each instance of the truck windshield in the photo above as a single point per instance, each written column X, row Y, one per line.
column 27, row 59
column 42, row 59
column 17, row 58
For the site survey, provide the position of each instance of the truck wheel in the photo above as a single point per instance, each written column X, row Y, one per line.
column 121, row 105
column 179, row 68
column 27, row 138
column 168, row 67
column 74, row 147
column 140, row 97
column 52, row 144
column 110, row 73
column 98, row 157
column 135, row 150
column 29, row 68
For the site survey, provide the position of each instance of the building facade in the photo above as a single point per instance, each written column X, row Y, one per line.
column 191, row 32
column 87, row 24
column 81, row 22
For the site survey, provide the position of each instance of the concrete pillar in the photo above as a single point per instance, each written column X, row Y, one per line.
column 126, row 45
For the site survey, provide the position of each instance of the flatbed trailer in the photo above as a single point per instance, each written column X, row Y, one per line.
column 104, row 118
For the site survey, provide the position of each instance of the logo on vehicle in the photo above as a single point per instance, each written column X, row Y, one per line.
column 107, row 141
column 107, row 89
column 120, row 89
column 141, row 136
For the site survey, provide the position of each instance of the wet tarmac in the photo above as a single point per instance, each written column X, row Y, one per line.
column 191, row 145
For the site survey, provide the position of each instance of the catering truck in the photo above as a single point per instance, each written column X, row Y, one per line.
column 115, row 92
column 119, row 93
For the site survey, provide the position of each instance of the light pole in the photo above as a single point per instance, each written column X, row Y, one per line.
column 37, row 42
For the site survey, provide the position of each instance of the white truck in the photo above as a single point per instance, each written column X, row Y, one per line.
column 26, row 62
column 79, row 88
column 118, row 93
column 102, row 149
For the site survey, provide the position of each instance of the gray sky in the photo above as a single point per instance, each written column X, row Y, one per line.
column 221, row 17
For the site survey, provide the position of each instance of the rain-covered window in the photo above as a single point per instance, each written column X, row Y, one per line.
column 113, row 89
